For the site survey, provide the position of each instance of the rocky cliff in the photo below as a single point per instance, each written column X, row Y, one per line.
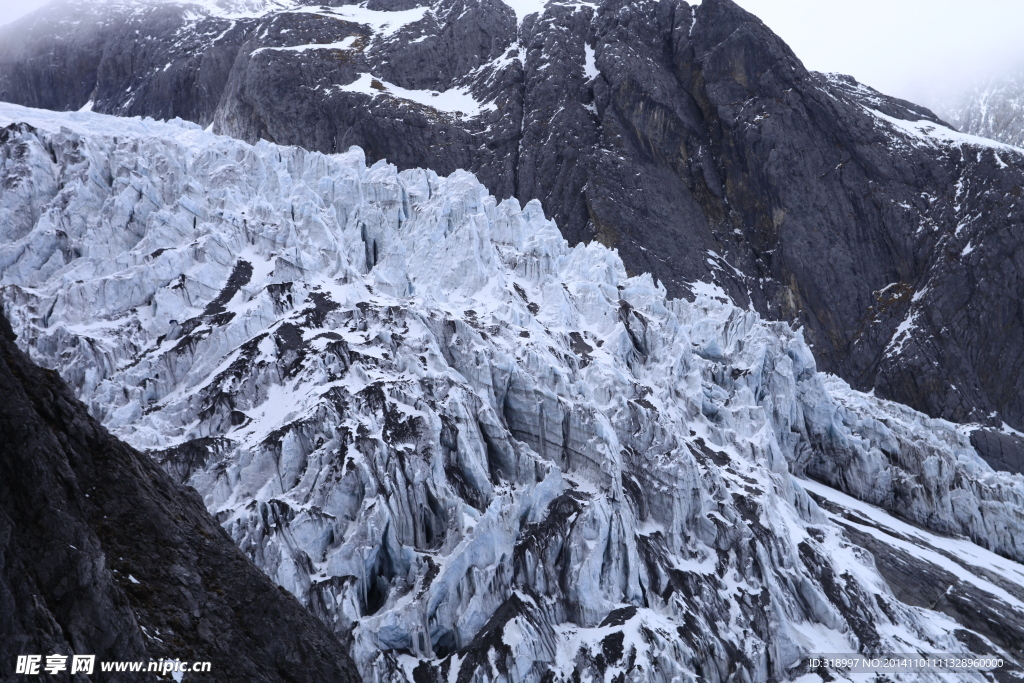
column 101, row 553
column 475, row 452
column 689, row 138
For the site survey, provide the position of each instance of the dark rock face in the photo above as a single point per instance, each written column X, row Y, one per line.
column 1002, row 451
column 100, row 553
column 691, row 139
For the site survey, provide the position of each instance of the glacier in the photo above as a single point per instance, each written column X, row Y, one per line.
column 476, row 452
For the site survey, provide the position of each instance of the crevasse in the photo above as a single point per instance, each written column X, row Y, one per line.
column 477, row 453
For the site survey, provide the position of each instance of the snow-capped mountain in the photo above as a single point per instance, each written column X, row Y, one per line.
column 689, row 138
column 478, row 453
column 994, row 110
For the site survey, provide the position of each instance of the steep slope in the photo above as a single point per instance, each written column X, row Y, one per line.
column 101, row 553
column 994, row 110
column 474, row 452
column 689, row 138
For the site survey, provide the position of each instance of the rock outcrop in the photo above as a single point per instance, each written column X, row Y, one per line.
column 475, row 452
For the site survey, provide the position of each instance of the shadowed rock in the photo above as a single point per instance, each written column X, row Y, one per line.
column 101, row 553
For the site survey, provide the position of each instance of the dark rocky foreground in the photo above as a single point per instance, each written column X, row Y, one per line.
column 692, row 139
column 101, row 553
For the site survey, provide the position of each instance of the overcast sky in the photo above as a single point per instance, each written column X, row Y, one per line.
column 921, row 50
column 15, row 9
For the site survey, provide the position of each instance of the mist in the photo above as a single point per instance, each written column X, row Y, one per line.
column 925, row 51
column 12, row 10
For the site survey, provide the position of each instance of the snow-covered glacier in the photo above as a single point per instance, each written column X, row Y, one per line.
column 478, row 453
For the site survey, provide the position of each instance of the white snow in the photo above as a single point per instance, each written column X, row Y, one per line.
column 346, row 44
column 957, row 556
column 902, row 334
column 238, row 9
column 453, row 101
column 1007, row 429
column 589, row 63
column 383, row 23
column 709, row 290
column 524, row 8
column 934, row 134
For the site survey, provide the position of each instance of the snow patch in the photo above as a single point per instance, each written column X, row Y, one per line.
column 454, row 101
column 902, row 334
column 959, row 557
column 934, row 134
column 346, row 44
column 589, row 63
column 383, row 23
column 1007, row 429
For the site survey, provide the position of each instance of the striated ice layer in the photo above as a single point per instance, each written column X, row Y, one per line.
column 476, row 453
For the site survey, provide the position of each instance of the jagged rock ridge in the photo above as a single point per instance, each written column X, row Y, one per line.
column 689, row 138
column 477, row 453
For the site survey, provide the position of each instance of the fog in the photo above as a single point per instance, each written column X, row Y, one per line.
column 12, row 10
column 926, row 51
